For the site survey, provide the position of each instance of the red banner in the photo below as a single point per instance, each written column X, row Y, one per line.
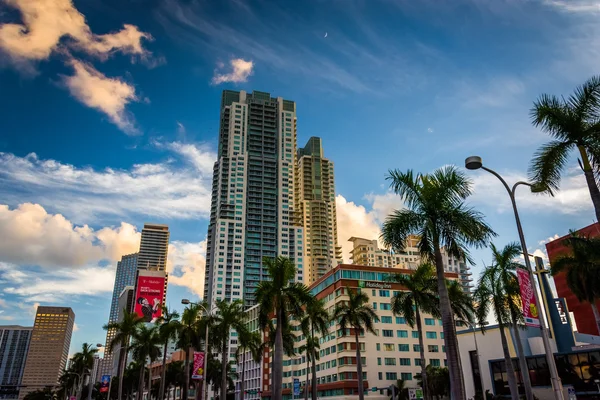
column 198, row 372
column 104, row 383
column 149, row 297
column 530, row 307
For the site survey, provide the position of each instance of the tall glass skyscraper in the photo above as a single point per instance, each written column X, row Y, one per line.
column 253, row 213
column 14, row 344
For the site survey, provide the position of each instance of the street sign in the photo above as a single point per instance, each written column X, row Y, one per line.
column 296, row 387
column 373, row 389
column 415, row 393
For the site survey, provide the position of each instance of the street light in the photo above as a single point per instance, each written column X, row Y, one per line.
column 473, row 163
column 208, row 314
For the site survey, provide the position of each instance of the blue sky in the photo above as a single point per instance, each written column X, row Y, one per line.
column 109, row 119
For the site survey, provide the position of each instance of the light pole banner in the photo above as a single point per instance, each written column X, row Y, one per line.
column 104, row 383
column 198, row 372
column 530, row 307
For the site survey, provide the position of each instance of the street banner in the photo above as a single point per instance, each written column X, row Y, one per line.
column 198, row 372
column 149, row 297
column 530, row 307
column 296, row 387
column 104, row 383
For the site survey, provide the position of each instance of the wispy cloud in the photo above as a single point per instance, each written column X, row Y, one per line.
column 575, row 6
column 240, row 71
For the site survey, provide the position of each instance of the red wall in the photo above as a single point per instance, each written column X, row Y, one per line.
column 584, row 317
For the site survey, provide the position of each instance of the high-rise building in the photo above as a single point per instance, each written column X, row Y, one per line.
column 125, row 304
column 14, row 343
column 48, row 348
column 154, row 247
column 315, row 200
column 125, row 276
column 253, row 213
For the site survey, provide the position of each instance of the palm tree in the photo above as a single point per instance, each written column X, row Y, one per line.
column 229, row 315
column 174, row 376
column 188, row 338
column 358, row 314
column 582, row 267
column 311, row 348
column 124, row 330
column 131, row 378
column 436, row 212
column 315, row 321
column 573, row 123
column 248, row 341
column 419, row 296
column 145, row 346
column 504, row 261
column 439, row 381
column 400, row 390
column 168, row 326
column 460, row 302
column 83, row 361
column 283, row 297
column 492, row 293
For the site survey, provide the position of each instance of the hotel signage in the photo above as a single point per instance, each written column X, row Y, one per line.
column 374, row 285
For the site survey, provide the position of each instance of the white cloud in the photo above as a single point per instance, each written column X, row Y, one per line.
column 75, row 327
column 31, row 236
column 547, row 240
column 108, row 95
column 177, row 188
column 186, row 264
column 46, row 22
column 575, row 6
column 430, row 130
column 240, row 71
column 354, row 220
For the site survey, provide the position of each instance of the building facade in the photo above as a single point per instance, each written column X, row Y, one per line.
column 253, row 214
column 125, row 303
column 391, row 354
column 315, row 199
column 154, row 247
column 48, row 348
column 14, row 344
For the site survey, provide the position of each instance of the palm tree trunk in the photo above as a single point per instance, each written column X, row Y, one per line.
column 422, row 354
column 510, row 370
column 122, row 359
column 278, row 358
column 224, row 362
column 140, row 393
column 242, row 375
column 522, row 361
column 591, row 181
column 150, row 382
column 457, row 385
column 596, row 315
column 314, row 366
column 361, row 390
column 184, row 396
column 307, row 372
column 161, row 392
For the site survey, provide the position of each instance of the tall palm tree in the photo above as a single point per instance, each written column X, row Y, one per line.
column 503, row 259
column 420, row 295
column 316, row 321
column 145, row 346
column 492, row 294
column 168, row 327
column 283, row 297
column 124, row 330
column 582, row 268
column 358, row 314
column 573, row 123
column 311, row 347
column 174, row 377
column 228, row 316
column 436, row 212
column 84, row 362
column 248, row 342
column 189, row 337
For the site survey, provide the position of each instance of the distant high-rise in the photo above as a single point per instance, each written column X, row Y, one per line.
column 252, row 209
column 315, row 199
column 154, row 247
column 125, row 304
column 14, row 343
column 48, row 348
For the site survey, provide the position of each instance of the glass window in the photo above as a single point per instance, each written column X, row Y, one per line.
column 387, row 333
column 389, row 361
column 404, row 361
column 406, row 376
column 403, row 347
column 400, row 320
column 402, row 334
column 429, row 321
column 415, row 334
column 431, row 335
column 386, row 320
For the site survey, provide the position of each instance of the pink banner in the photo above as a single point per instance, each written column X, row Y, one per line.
column 530, row 307
column 198, row 372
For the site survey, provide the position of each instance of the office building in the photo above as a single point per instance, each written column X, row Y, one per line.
column 253, row 213
column 125, row 304
column 124, row 277
column 48, row 348
column 14, row 343
column 154, row 247
column 368, row 252
column 315, row 199
column 390, row 355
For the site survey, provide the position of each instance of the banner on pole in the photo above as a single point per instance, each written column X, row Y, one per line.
column 296, row 387
column 530, row 307
column 104, row 383
column 198, row 372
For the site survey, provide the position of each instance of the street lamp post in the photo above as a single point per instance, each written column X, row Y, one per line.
column 473, row 163
column 208, row 314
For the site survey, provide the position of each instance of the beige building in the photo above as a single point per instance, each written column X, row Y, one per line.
column 48, row 349
column 315, row 197
column 154, row 247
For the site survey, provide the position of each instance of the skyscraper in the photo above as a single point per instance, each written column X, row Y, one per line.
column 14, row 343
column 252, row 209
column 154, row 247
column 315, row 199
column 48, row 348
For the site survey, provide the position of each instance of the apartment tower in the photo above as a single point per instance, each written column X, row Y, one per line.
column 48, row 348
column 252, row 207
column 14, row 343
column 315, row 199
column 154, row 247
